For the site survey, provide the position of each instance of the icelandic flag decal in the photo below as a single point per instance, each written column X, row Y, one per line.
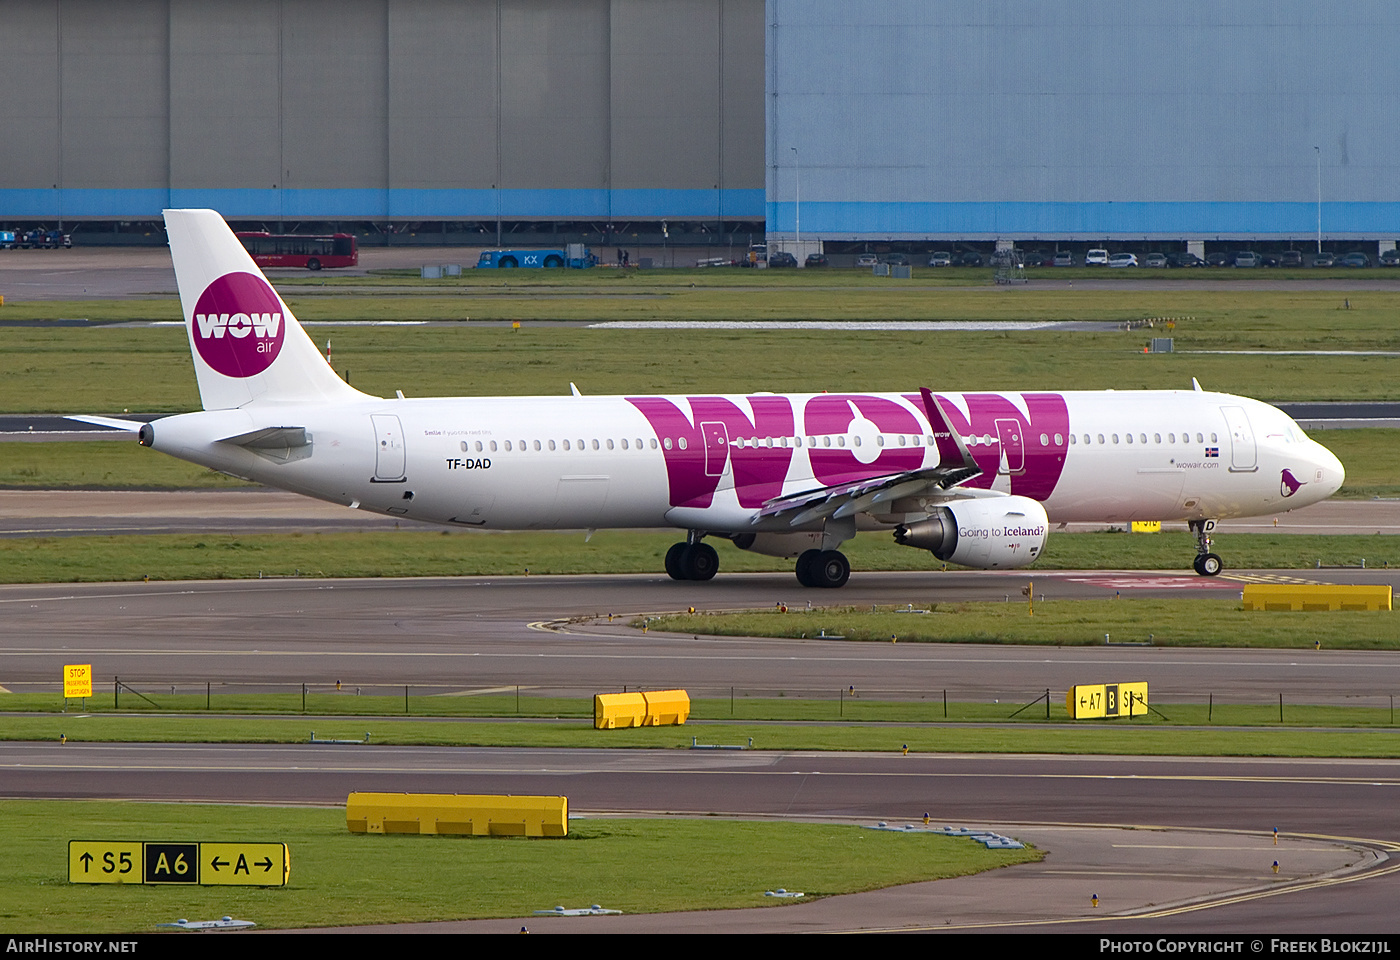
column 1212, row 451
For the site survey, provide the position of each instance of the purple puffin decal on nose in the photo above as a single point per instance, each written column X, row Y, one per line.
column 238, row 327
column 1288, row 484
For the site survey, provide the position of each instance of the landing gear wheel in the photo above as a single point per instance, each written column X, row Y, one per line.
column 832, row 569
column 823, row 568
column 673, row 561
column 1208, row 565
column 699, row 561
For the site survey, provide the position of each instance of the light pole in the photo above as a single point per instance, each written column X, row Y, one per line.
column 797, row 178
column 1318, row 151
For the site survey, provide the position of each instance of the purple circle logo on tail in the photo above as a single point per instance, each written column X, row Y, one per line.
column 238, row 328
column 1288, row 484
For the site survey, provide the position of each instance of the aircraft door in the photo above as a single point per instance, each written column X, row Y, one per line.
column 388, row 449
column 1244, row 453
column 1013, row 446
column 716, row 447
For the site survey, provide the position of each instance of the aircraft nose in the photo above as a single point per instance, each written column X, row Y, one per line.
column 1333, row 473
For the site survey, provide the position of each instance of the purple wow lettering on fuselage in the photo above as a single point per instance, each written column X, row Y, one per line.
column 717, row 431
column 703, row 442
column 1032, row 464
column 832, row 413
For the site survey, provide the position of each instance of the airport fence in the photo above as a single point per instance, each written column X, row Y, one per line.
column 1294, row 705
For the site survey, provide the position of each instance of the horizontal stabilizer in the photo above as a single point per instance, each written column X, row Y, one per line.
column 112, row 423
column 270, row 438
column 279, row 444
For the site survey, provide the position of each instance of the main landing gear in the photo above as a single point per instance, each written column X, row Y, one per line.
column 696, row 560
column 693, row 560
column 1207, row 564
column 823, row 568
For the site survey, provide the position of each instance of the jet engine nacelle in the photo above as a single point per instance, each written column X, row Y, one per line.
column 987, row 533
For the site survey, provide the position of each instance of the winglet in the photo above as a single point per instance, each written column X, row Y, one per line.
column 951, row 449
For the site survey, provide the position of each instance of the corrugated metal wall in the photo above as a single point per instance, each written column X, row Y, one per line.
column 1077, row 119
column 380, row 109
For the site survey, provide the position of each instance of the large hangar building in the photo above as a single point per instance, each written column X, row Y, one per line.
column 1080, row 120
column 901, row 121
column 383, row 111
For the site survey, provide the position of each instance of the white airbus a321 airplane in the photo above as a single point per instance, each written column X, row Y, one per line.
column 974, row 478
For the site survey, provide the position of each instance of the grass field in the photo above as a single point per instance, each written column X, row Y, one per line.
column 111, row 368
column 1199, row 730
column 342, row 879
column 1168, row 622
column 427, row 552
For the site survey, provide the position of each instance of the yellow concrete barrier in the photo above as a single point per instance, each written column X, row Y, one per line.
column 654, row 709
column 667, row 707
column 613, row 710
column 1316, row 596
column 457, row 814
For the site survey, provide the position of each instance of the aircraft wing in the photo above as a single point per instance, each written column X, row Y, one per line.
column 955, row 466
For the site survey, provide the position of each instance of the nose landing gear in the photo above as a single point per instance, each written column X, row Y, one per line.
column 1207, row 564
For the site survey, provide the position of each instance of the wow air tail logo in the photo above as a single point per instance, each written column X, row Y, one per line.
column 1288, row 484
column 238, row 327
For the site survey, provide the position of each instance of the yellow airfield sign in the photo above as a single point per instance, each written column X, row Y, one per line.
column 201, row 864
column 105, row 861
column 244, row 864
column 1091, row 701
column 77, row 681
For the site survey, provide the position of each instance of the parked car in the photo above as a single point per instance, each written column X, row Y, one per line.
column 1123, row 260
column 867, row 260
column 1324, row 260
column 940, row 258
column 781, row 258
column 1219, row 259
column 1391, row 258
column 968, row 258
column 1290, row 258
column 1064, row 259
column 817, row 260
column 1355, row 259
column 1184, row 259
column 1246, row 258
column 895, row 259
column 1097, row 257
column 1268, row 260
column 1156, row 260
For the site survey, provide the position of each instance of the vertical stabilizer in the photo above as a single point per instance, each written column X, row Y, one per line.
column 247, row 346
